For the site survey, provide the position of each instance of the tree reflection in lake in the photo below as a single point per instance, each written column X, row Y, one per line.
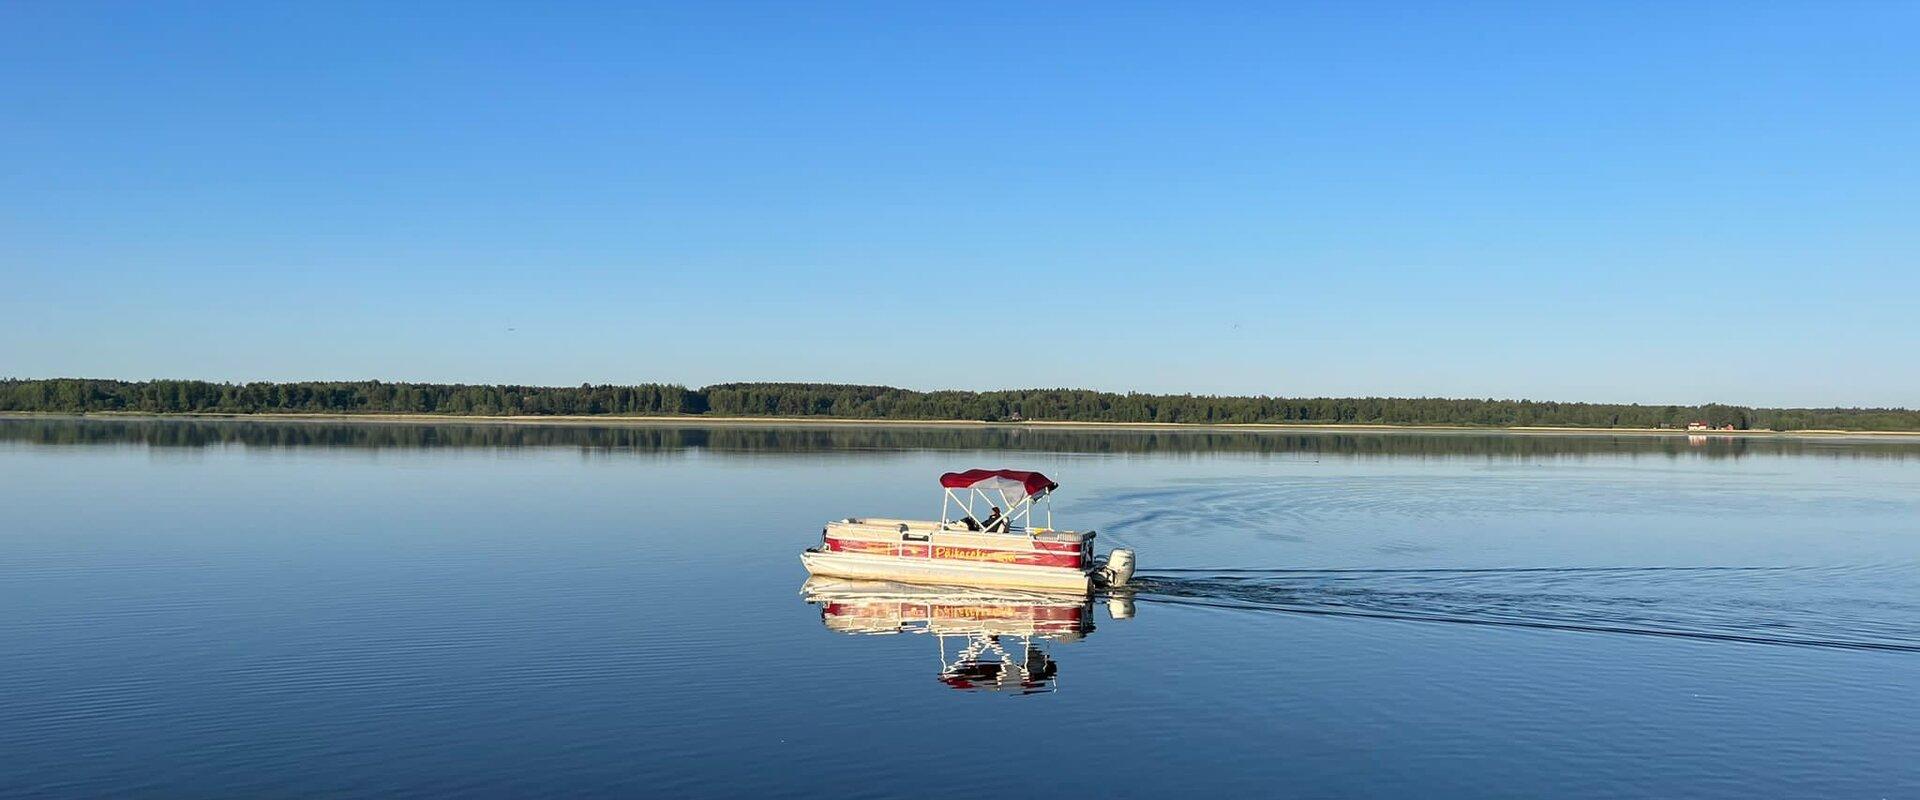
column 670, row 438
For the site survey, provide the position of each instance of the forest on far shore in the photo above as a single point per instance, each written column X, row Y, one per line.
column 80, row 395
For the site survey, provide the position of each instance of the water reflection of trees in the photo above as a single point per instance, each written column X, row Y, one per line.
column 778, row 440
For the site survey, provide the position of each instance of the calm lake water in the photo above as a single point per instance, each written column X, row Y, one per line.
column 272, row 609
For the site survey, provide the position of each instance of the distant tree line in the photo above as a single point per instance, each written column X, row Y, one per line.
column 342, row 397
column 888, row 403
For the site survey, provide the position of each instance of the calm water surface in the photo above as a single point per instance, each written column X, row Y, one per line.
column 272, row 609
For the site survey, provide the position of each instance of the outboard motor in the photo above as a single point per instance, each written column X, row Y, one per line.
column 1119, row 568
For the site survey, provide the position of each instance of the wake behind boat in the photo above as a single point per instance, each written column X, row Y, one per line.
column 1001, row 549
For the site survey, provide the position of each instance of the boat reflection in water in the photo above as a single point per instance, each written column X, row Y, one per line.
column 989, row 639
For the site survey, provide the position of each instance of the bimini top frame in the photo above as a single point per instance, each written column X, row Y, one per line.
column 1017, row 492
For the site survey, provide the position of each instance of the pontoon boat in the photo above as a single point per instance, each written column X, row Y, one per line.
column 965, row 548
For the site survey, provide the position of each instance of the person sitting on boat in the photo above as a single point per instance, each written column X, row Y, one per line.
column 995, row 523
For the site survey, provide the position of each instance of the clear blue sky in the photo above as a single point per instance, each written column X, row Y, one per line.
column 1651, row 202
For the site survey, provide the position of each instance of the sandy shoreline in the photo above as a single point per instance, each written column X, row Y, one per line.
column 703, row 420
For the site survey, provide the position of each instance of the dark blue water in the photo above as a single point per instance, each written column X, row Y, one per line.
column 255, row 609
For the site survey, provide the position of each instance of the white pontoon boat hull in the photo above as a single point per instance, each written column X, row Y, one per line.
column 940, row 571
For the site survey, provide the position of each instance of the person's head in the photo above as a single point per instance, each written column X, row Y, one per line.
column 996, row 511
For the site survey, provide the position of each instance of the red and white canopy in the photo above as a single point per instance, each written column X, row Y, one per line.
column 1004, row 480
